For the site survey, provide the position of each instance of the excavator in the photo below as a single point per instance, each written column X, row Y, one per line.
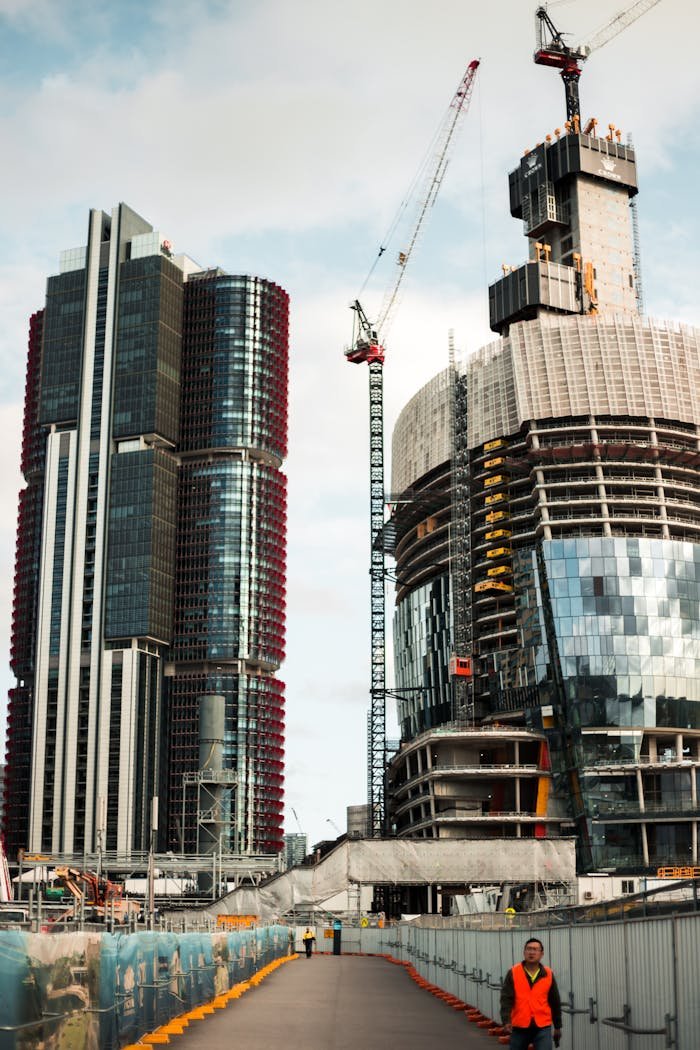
column 95, row 898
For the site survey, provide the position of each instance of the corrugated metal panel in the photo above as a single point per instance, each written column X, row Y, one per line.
column 650, row 978
column 575, row 953
column 687, row 937
column 648, row 966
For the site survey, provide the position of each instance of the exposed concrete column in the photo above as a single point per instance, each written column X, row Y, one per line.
column 658, row 477
column 541, row 492
column 640, row 791
column 431, row 786
column 653, row 752
column 600, row 478
column 518, row 826
column 679, row 747
column 694, row 800
column 640, row 799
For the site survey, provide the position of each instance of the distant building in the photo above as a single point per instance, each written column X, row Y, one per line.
column 358, row 821
column 150, row 564
column 547, row 624
column 295, row 849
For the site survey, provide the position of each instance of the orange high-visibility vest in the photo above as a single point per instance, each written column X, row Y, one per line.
column 531, row 999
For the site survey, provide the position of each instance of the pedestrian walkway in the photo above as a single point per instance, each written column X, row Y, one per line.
column 336, row 1003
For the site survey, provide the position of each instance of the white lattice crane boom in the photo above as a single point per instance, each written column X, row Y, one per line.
column 436, row 173
column 617, row 24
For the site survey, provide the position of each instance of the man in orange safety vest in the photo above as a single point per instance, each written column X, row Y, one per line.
column 530, row 1002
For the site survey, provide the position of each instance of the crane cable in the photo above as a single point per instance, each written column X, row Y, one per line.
column 431, row 171
column 408, row 198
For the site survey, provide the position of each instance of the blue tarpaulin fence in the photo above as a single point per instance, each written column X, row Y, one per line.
column 100, row 991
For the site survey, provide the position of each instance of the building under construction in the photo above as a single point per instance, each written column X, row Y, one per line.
column 546, row 515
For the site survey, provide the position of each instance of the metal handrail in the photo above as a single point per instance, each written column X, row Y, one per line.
column 590, row 1010
column 623, row 1024
column 51, row 1018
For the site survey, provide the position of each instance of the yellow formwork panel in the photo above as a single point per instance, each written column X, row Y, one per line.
column 498, row 534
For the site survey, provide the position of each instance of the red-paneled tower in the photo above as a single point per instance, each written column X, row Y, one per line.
column 230, row 593
column 24, row 603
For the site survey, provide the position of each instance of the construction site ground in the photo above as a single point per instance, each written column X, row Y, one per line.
column 340, row 1002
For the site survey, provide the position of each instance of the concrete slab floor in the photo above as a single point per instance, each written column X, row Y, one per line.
column 335, row 1003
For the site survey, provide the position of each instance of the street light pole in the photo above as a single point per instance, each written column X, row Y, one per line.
column 151, row 905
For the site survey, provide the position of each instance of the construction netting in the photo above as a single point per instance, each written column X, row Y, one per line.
column 328, row 885
column 100, row 991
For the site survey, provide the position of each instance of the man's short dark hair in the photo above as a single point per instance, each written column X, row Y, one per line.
column 534, row 940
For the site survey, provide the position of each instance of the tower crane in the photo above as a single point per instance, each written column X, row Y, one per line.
column 367, row 348
column 301, row 831
column 553, row 51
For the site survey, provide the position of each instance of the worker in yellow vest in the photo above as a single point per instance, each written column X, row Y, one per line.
column 308, row 938
column 530, row 1002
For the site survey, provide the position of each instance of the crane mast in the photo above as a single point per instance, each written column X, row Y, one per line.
column 367, row 349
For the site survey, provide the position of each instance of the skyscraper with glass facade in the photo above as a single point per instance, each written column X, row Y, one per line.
column 550, row 560
column 150, row 559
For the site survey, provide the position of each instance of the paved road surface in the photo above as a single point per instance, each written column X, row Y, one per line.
column 336, row 1003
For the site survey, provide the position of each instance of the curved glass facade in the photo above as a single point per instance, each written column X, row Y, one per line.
column 421, row 657
column 239, row 328
column 230, row 593
column 622, row 616
column 626, row 618
column 230, row 596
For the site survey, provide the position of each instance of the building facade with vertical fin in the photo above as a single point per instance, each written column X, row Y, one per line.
column 578, row 579
column 150, row 558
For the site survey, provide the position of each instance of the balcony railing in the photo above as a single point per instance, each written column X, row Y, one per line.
column 462, row 768
column 641, row 760
column 623, row 808
column 476, row 817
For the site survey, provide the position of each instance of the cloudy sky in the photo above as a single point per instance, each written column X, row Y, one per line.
column 279, row 138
